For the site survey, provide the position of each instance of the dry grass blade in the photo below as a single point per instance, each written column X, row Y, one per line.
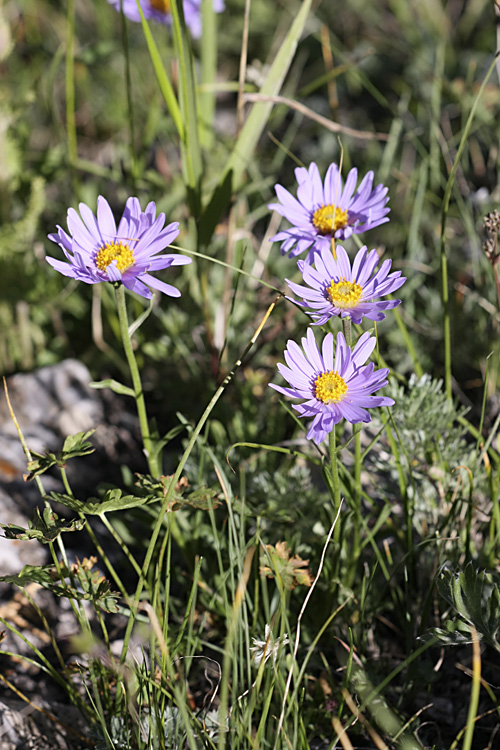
column 334, row 127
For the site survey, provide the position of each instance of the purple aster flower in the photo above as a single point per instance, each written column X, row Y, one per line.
column 333, row 385
column 323, row 212
column 160, row 10
column 336, row 289
column 98, row 251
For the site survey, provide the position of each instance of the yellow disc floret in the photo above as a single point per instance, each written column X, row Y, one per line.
column 344, row 294
column 115, row 250
column 163, row 6
column 330, row 387
column 327, row 219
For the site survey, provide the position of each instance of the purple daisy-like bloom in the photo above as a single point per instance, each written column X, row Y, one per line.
column 97, row 250
column 322, row 212
column 161, row 11
column 333, row 385
column 337, row 289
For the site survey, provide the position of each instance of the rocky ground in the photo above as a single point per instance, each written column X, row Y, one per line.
column 49, row 404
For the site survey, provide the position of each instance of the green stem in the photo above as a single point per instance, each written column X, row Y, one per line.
column 335, row 481
column 136, row 380
column 357, row 498
column 346, row 327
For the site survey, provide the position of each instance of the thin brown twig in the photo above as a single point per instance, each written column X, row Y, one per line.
column 334, row 127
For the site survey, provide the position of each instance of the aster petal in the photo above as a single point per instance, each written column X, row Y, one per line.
column 312, row 351
column 105, row 219
column 296, row 378
column 328, row 351
column 295, row 358
column 349, row 187
column 354, row 413
column 290, row 207
column 113, row 273
column 161, row 286
column 291, row 392
column 304, row 292
column 363, row 349
column 333, row 186
column 364, row 189
column 343, row 264
column 342, row 355
column 62, row 239
column 79, row 231
column 65, row 268
column 135, row 285
column 127, row 228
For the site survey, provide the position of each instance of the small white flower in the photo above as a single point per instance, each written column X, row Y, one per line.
column 267, row 648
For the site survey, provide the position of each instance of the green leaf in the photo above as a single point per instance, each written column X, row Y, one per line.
column 475, row 597
column 94, row 587
column 162, row 442
column 162, row 78
column 190, row 144
column 77, row 445
column 74, row 445
column 42, row 574
column 44, row 528
column 112, row 500
column 202, row 499
column 40, row 464
column 113, row 385
column 253, row 128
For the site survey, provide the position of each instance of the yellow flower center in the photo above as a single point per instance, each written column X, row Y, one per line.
column 330, row 387
column 115, row 250
column 344, row 294
column 329, row 218
column 162, row 6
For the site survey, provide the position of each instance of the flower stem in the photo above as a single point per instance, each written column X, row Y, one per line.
column 335, row 481
column 136, row 380
column 347, row 328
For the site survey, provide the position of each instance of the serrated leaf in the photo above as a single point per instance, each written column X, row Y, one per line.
column 40, row 464
column 201, row 499
column 74, row 445
column 449, row 638
column 93, row 586
column 114, row 386
column 44, row 528
column 77, row 445
column 112, row 500
column 292, row 571
column 160, row 485
column 42, row 574
column 474, row 596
